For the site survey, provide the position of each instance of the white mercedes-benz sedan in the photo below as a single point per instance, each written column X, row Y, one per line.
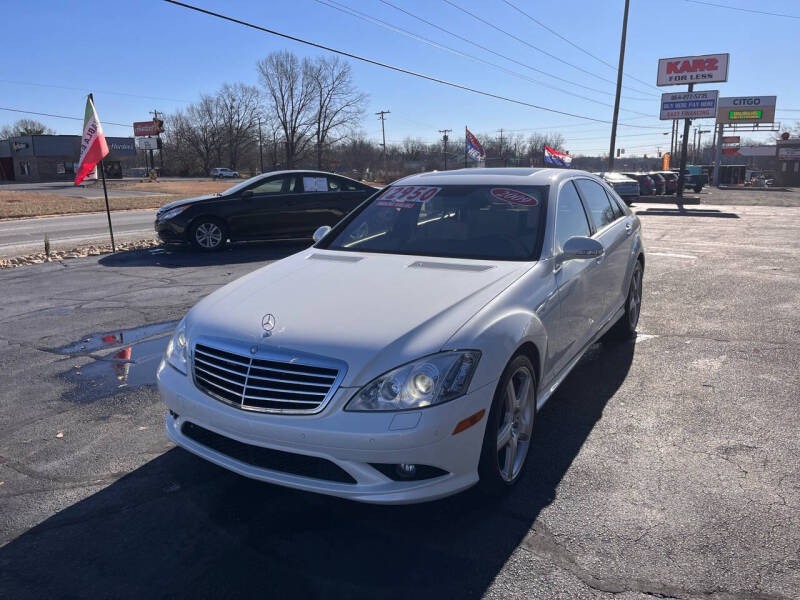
column 403, row 357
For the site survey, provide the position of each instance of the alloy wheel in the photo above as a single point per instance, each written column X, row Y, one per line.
column 515, row 423
column 208, row 235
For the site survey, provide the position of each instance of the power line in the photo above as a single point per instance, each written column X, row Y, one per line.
column 381, row 23
column 527, row 43
column 388, row 66
column 571, row 43
column 485, row 49
column 747, row 10
column 30, row 112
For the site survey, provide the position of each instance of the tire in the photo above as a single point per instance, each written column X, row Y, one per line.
column 512, row 419
column 625, row 327
column 208, row 234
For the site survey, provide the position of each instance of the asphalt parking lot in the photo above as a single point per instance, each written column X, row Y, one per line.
column 663, row 467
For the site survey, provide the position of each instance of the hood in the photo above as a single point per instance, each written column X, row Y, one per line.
column 186, row 201
column 372, row 311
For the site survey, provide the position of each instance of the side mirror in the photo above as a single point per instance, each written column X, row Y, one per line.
column 321, row 232
column 582, row 247
column 247, row 194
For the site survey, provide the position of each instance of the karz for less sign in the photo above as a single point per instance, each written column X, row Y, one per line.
column 708, row 68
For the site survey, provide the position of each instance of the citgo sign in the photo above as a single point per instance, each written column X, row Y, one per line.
column 746, row 109
column 682, row 70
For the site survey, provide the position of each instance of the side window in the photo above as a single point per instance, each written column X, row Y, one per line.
column 270, row 186
column 570, row 217
column 600, row 210
column 315, row 184
column 618, row 212
column 349, row 186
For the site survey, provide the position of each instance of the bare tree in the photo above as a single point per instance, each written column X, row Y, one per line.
column 25, row 127
column 291, row 91
column 237, row 108
column 196, row 135
column 339, row 106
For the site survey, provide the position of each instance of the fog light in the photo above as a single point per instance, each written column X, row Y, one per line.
column 406, row 471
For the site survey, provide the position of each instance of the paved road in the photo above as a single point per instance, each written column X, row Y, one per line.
column 661, row 468
column 26, row 236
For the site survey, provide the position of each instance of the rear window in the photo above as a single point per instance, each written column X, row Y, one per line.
column 463, row 221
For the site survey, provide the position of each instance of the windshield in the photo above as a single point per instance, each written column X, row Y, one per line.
column 240, row 186
column 463, row 221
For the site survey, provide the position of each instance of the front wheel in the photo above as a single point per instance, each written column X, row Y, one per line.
column 208, row 234
column 625, row 328
column 509, row 427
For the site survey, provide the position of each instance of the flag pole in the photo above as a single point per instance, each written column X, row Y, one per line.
column 466, row 141
column 108, row 209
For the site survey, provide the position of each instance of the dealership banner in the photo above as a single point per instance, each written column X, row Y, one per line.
column 746, row 109
column 689, row 105
column 682, row 70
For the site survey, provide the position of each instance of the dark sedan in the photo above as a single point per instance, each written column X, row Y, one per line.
column 278, row 205
column 647, row 186
column 670, row 181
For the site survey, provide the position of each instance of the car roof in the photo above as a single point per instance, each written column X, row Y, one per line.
column 498, row 176
column 308, row 172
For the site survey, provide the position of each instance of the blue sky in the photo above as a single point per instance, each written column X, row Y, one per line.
column 165, row 56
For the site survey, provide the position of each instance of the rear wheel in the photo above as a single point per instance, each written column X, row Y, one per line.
column 509, row 427
column 208, row 234
column 625, row 328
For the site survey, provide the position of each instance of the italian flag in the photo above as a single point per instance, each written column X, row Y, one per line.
column 93, row 143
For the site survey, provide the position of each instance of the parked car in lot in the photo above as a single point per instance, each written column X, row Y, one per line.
column 223, row 172
column 278, row 205
column 403, row 357
column 628, row 189
column 670, row 181
column 647, row 186
column 659, row 184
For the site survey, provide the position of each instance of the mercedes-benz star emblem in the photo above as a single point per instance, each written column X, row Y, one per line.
column 268, row 322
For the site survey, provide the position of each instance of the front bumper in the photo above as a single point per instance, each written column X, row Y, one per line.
column 169, row 232
column 353, row 441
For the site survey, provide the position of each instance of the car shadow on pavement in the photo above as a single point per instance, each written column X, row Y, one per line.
column 181, row 527
column 178, row 256
column 692, row 212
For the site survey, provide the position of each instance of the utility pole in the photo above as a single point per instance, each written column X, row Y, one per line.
column 501, row 148
column 619, row 87
column 382, row 116
column 699, row 146
column 444, row 133
column 260, row 146
column 718, row 154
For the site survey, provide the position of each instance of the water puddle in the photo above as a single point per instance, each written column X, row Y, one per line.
column 129, row 367
column 97, row 342
column 122, row 359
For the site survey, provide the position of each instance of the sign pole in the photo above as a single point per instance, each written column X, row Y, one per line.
column 718, row 157
column 684, row 148
column 108, row 209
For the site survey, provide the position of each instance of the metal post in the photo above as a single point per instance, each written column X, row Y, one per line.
column 718, row 156
column 681, row 177
column 108, row 209
column 619, row 87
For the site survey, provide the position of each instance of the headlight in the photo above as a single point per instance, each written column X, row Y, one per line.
column 173, row 212
column 430, row 380
column 177, row 354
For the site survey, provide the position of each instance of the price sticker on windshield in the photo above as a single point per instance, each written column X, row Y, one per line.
column 514, row 196
column 407, row 196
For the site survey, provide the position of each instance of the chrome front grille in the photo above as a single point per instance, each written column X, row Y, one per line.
column 266, row 384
